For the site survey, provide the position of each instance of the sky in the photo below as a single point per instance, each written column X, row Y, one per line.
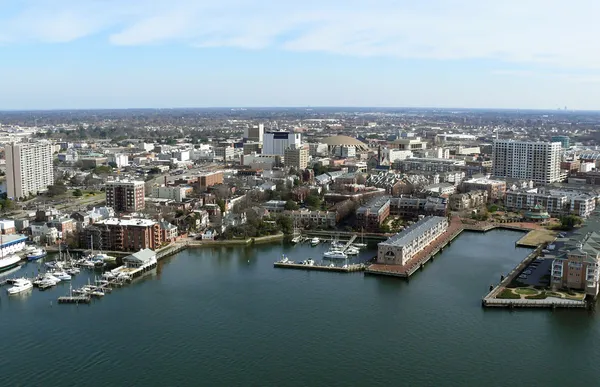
column 78, row 54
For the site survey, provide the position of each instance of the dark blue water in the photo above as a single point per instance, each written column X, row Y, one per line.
column 226, row 317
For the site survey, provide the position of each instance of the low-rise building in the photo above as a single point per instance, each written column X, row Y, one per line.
column 303, row 218
column 411, row 207
column 371, row 215
column 175, row 193
column 122, row 235
column 577, row 268
column 7, row 226
column 496, row 188
column 472, row 199
column 557, row 202
column 400, row 248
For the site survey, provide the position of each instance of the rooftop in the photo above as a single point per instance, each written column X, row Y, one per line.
column 127, row 222
column 413, row 231
column 374, row 205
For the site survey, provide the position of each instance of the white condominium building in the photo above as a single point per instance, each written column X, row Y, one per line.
column 29, row 168
column 537, row 161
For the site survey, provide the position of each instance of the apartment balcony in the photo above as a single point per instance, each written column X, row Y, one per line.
column 556, row 278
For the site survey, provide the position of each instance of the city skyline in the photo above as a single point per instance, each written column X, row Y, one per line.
column 183, row 53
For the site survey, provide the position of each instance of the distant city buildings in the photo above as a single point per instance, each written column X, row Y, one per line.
column 275, row 143
column 254, row 133
column 565, row 141
column 125, row 195
column 296, row 156
column 29, row 168
column 537, row 161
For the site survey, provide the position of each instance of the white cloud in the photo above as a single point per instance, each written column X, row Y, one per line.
column 555, row 33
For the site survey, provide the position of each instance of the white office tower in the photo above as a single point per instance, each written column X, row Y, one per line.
column 255, row 133
column 537, row 161
column 29, row 168
column 275, row 143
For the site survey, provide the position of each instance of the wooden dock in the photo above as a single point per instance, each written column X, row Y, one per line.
column 336, row 269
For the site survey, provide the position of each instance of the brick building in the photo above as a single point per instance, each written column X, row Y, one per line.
column 122, row 235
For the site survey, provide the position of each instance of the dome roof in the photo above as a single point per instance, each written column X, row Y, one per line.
column 343, row 140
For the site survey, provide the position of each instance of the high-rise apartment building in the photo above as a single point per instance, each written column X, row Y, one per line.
column 125, row 195
column 254, row 133
column 275, row 143
column 29, row 168
column 537, row 161
column 296, row 157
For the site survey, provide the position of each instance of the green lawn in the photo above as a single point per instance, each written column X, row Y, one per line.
column 508, row 294
column 526, row 291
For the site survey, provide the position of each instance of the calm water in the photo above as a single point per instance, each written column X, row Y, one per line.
column 226, row 317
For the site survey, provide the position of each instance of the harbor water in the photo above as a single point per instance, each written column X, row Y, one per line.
column 226, row 317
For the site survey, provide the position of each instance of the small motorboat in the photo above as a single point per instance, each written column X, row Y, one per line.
column 315, row 241
column 36, row 254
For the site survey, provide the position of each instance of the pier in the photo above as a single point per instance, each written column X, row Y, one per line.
column 336, row 269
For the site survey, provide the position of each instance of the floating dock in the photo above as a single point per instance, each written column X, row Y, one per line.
column 74, row 300
column 336, row 269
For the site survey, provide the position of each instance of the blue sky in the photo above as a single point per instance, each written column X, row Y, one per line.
column 196, row 53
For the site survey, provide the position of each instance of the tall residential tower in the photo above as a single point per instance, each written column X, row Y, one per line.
column 29, row 168
column 537, row 161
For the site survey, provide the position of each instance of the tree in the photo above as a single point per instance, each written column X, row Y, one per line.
column 291, row 205
column 285, row 224
column 313, row 202
column 569, row 222
column 77, row 193
column 57, row 189
column 221, row 204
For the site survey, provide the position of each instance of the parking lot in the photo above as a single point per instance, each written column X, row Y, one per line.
column 538, row 268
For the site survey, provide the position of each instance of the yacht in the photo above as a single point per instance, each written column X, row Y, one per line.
column 36, row 254
column 8, row 262
column 308, row 262
column 335, row 254
column 315, row 241
column 20, row 285
column 61, row 275
column 359, row 245
column 100, row 257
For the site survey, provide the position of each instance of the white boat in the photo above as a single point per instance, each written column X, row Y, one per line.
column 284, row 259
column 308, row 262
column 51, row 278
column 72, row 271
column 315, row 241
column 61, row 275
column 20, row 285
column 36, row 254
column 9, row 262
column 359, row 245
column 335, row 254
column 352, row 251
column 297, row 239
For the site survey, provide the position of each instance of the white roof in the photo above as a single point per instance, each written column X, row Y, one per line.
column 128, row 222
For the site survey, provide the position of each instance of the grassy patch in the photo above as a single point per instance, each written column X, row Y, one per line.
column 525, row 291
column 541, row 296
column 508, row 294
